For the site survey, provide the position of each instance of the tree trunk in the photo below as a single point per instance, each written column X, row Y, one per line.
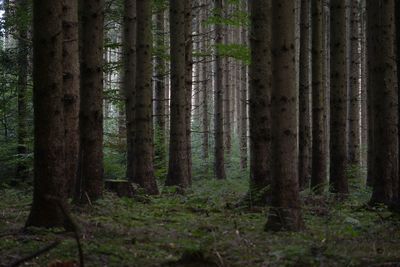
column 304, row 96
column 90, row 185
column 22, row 129
column 354, row 153
column 143, row 158
column 383, row 100
column 260, row 100
column 319, row 113
column 178, row 169
column 219, row 156
column 49, row 157
column 285, row 212
column 71, row 92
column 129, row 81
column 160, row 131
column 338, row 98
column 189, row 83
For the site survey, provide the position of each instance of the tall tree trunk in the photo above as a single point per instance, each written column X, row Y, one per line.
column 304, row 96
column 205, row 83
column 129, row 81
column 22, row 129
column 178, row 169
column 143, row 158
column 285, row 212
column 219, row 156
column 338, row 98
column 189, row 83
column 48, row 95
column 90, row 185
column 383, row 99
column 71, row 92
column 160, row 131
column 243, row 99
column 260, row 100
column 354, row 153
column 227, row 94
column 319, row 113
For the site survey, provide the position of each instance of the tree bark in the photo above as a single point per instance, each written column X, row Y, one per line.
column 143, row 158
column 22, row 173
column 382, row 84
column 129, row 81
column 338, row 99
column 189, row 83
column 319, row 113
column 71, row 89
column 178, row 169
column 260, row 98
column 354, row 151
column 160, row 130
column 285, row 213
column 90, row 185
column 48, row 95
column 304, row 96
column 219, row 155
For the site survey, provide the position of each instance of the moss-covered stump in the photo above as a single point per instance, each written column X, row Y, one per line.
column 122, row 188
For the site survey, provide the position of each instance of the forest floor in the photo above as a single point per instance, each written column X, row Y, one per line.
column 204, row 228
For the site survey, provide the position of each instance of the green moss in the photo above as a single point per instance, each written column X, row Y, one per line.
column 204, row 225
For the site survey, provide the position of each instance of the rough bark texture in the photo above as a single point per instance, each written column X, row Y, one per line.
column 304, row 96
column 219, row 155
column 129, row 81
column 189, row 83
column 338, row 98
column 143, row 158
column 71, row 92
column 285, row 213
column 49, row 165
column 243, row 103
column 22, row 173
column 383, row 99
column 319, row 134
column 159, row 131
column 260, row 97
column 354, row 150
column 178, row 169
column 205, row 83
column 90, row 176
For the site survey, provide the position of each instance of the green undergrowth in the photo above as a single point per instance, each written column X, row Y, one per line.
column 204, row 228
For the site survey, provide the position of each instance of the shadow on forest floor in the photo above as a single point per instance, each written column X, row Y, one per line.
column 202, row 229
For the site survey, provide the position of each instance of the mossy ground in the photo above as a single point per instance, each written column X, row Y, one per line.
column 204, row 228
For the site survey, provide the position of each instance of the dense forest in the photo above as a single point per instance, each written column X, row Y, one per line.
column 199, row 133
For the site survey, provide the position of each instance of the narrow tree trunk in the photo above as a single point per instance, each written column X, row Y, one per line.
column 160, row 131
column 71, row 92
column 243, row 100
column 219, row 156
column 129, row 81
column 260, row 100
column 383, row 100
column 319, row 113
column 189, row 83
column 354, row 153
column 338, row 100
column 143, row 158
column 285, row 212
column 49, row 158
column 178, row 169
column 304, row 96
column 90, row 186
column 22, row 128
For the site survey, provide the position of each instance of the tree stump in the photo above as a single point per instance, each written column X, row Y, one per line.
column 123, row 188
